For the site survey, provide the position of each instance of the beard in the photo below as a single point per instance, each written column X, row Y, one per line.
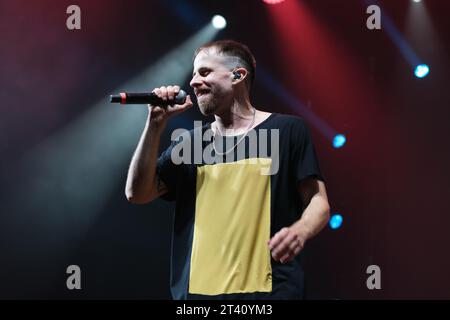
column 208, row 104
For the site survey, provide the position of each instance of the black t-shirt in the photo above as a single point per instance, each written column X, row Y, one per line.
column 228, row 208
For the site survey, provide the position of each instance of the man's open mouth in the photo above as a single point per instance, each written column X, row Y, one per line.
column 200, row 93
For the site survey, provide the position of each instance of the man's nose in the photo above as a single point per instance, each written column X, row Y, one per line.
column 194, row 82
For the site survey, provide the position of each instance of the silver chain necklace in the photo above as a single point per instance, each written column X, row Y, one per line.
column 242, row 138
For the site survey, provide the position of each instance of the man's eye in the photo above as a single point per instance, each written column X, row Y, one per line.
column 204, row 73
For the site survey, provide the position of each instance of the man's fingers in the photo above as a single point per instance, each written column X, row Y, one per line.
column 293, row 249
column 188, row 103
column 277, row 238
column 167, row 93
column 177, row 108
column 157, row 91
column 295, row 243
column 167, row 110
column 170, row 93
column 283, row 247
column 163, row 93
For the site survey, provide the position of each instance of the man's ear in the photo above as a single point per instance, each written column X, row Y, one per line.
column 239, row 74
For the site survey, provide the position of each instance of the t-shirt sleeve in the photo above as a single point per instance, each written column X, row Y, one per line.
column 168, row 172
column 304, row 158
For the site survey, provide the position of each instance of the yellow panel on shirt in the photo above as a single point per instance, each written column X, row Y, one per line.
column 232, row 228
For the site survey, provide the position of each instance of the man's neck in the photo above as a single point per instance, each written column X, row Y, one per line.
column 236, row 118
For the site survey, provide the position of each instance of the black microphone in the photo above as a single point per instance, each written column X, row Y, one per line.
column 147, row 98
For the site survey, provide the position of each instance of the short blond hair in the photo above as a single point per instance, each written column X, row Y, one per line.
column 235, row 49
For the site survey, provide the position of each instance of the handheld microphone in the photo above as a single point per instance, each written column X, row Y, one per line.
column 147, row 98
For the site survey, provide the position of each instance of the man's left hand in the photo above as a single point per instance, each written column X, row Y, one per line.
column 286, row 244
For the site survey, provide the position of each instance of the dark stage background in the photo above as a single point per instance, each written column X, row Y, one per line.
column 65, row 154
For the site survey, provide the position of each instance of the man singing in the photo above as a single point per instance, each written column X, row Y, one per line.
column 238, row 231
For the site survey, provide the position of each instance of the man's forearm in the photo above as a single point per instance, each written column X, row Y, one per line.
column 289, row 241
column 314, row 218
column 142, row 168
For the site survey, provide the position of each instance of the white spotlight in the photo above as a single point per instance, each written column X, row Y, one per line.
column 219, row 22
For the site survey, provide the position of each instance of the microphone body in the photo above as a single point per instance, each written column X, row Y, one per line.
column 147, row 98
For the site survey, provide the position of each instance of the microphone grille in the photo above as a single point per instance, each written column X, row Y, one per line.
column 181, row 97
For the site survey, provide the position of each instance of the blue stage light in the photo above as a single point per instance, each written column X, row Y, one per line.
column 336, row 221
column 421, row 71
column 339, row 141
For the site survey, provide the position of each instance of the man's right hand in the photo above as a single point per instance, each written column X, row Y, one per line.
column 158, row 114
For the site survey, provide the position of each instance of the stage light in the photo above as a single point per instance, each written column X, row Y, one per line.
column 219, row 22
column 336, row 221
column 421, row 71
column 273, row 1
column 96, row 147
column 339, row 141
column 416, row 1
